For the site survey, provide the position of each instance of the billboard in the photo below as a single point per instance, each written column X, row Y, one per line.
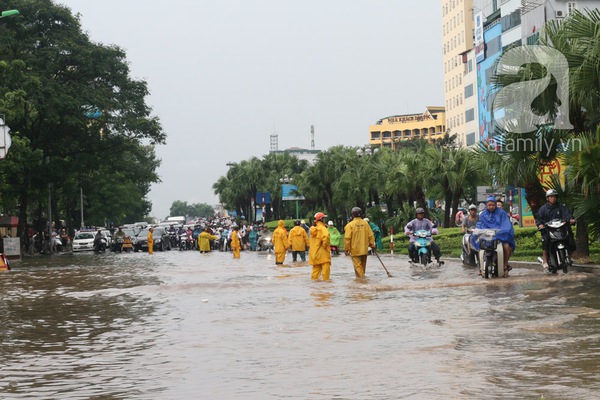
column 479, row 42
column 290, row 192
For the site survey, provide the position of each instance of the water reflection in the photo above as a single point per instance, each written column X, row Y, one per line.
column 182, row 325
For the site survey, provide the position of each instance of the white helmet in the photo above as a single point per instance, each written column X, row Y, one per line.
column 330, row 223
column 551, row 192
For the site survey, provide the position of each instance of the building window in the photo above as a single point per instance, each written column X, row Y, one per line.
column 470, row 65
column 470, row 139
column 387, row 135
column 470, row 115
column 571, row 6
column 468, row 91
column 375, row 135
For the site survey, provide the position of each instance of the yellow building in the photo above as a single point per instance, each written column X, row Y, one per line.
column 430, row 126
column 460, row 74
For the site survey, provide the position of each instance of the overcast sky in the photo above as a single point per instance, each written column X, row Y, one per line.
column 225, row 74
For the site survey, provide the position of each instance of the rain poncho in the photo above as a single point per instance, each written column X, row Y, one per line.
column 358, row 237
column 335, row 237
column 377, row 234
column 280, row 242
column 319, row 251
column 498, row 219
column 298, row 238
column 204, row 241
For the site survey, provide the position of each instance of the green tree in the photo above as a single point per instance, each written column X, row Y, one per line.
column 72, row 103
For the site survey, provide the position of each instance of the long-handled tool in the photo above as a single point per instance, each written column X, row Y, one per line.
column 379, row 258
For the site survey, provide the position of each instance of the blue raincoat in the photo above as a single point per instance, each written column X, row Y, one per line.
column 498, row 219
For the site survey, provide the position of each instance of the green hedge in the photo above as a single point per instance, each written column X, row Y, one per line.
column 528, row 242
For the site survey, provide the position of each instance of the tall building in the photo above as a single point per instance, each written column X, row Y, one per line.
column 388, row 131
column 457, row 41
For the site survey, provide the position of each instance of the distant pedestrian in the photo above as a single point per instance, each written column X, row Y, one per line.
column 357, row 240
column 335, row 239
column 377, row 233
column 298, row 241
column 319, row 253
column 280, row 242
column 236, row 241
column 150, row 241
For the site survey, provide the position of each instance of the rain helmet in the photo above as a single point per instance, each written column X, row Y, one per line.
column 356, row 211
column 551, row 192
column 319, row 216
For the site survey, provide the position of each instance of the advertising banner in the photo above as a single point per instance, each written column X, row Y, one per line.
column 527, row 218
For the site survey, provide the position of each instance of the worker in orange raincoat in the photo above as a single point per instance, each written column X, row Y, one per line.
column 298, row 241
column 150, row 241
column 236, row 241
column 358, row 237
column 319, row 252
column 280, row 242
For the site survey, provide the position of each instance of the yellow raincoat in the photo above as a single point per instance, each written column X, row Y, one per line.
column 204, row 241
column 280, row 242
column 357, row 240
column 150, row 242
column 236, row 244
column 298, row 238
column 319, row 253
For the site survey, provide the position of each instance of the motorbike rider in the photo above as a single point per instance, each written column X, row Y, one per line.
column 99, row 236
column 119, row 234
column 469, row 223
column 253, row 237
column 495, row 218
column 417, row 224
column 549, row 211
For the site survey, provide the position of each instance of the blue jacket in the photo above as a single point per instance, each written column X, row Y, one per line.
column 499, row 219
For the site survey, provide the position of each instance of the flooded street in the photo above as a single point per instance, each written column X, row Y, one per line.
column 181, row 325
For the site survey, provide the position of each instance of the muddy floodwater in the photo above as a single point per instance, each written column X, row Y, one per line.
column 184, row 325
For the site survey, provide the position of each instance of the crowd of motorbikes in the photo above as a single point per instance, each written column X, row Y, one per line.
column 490, row 257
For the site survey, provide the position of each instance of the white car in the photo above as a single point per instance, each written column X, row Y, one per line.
column 83, row 241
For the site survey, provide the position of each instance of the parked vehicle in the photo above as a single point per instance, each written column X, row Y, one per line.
column 491, row 253
column 161, row 237
column 83, row 241
column 559, row 257
column 423, row 245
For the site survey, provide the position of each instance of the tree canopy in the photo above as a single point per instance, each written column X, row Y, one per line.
column 78, row 121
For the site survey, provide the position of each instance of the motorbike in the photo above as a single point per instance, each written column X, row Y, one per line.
column 559, row 257
column 173, row 238
column 422, row 244
column 100, row 245
column 468, row 257
column 265, row 243
column 117, row 244
column 491, row 253
column 183, row 242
